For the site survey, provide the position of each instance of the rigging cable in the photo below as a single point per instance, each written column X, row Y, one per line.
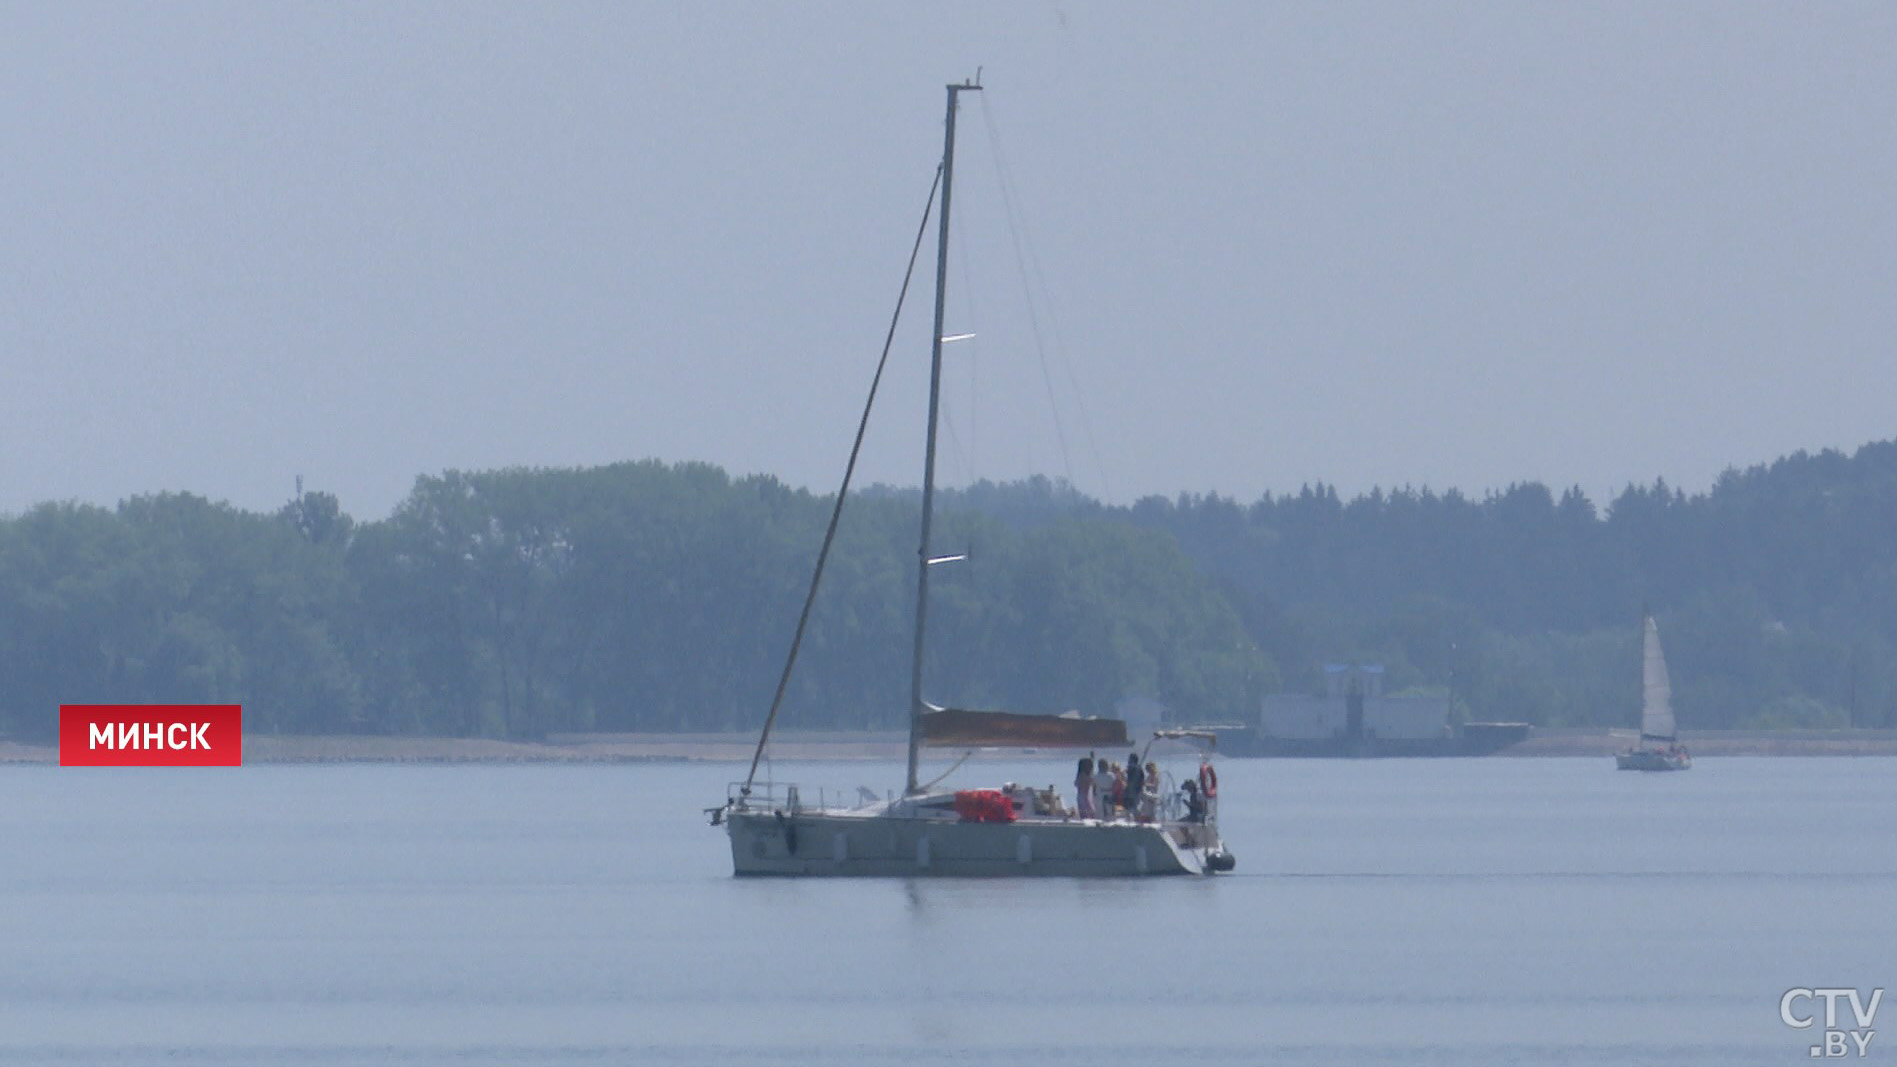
column 962, row 458
column 836, row 512
column 1023, row 262
column 937, row 780
column 967, row 291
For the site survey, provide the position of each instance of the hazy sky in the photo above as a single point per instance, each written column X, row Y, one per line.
column 1455, row 245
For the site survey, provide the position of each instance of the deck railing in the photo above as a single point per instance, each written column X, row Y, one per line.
column 791, row 798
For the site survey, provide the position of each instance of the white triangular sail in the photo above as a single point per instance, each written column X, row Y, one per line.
column 1656, row 708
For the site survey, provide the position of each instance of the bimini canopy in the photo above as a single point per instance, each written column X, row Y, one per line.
column 955, row 726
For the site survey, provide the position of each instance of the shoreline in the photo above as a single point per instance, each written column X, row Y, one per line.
column 1749, row 744
column 835, row 747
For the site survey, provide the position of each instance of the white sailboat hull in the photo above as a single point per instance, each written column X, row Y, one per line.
column 844, row 844
column 1652, row 761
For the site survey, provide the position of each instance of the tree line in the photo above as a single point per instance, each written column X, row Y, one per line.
column 632, row 597
column 655, row 597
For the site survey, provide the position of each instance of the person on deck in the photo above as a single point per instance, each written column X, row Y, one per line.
column 1135, row 783
column 1195, row 804
column 1083, row 787
column 1149, row 798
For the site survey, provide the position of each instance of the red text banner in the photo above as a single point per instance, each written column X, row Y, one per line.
column 151, row 735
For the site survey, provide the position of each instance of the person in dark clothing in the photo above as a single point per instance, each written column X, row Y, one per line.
column 1195, row 804
column 1135, row 781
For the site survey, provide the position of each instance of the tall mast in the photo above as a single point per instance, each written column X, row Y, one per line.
column 916, row 705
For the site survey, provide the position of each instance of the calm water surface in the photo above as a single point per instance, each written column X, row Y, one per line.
column 1464, row 912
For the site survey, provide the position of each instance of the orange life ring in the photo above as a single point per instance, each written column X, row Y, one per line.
column 1208, row 780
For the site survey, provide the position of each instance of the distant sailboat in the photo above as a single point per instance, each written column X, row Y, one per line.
column 1659, row 748
column 1011, row 830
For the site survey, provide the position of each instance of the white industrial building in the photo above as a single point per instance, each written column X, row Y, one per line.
column 1354, row 707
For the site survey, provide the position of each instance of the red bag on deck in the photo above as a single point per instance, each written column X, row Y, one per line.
column 983, row 805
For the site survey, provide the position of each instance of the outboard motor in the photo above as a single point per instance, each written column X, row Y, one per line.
column 1220, row 861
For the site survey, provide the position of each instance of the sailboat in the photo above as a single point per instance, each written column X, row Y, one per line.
column 1659, row 748
column 1009, row 830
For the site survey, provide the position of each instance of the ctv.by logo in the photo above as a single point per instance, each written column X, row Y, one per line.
column 1838, row 1042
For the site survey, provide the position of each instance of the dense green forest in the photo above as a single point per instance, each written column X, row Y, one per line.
column 642, row 596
